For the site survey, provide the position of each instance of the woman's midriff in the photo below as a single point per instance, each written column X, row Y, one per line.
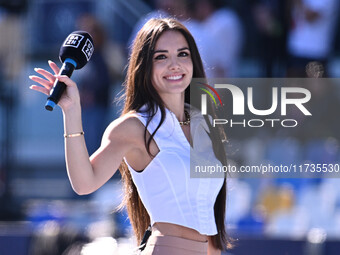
column 163, row 228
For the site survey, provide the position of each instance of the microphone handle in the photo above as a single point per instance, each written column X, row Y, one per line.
column 58, row 86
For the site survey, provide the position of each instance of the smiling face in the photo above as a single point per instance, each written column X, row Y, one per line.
column 172, row 66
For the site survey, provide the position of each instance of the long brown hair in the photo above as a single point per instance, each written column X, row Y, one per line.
column 139, row 91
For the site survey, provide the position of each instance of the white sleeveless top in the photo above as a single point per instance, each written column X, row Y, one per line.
column 165, row 187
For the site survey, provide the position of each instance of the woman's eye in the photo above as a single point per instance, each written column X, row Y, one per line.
column 160, row 57
column 183, row 54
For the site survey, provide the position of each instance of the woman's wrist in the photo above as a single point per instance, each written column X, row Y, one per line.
column 74, row 134
column 72, row 109
column 72, row 120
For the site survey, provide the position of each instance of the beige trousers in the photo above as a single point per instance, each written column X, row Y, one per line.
column 173, row 245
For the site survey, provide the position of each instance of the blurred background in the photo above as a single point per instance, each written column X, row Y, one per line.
column 39, row 212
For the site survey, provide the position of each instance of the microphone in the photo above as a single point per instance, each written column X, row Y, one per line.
column 75, row 52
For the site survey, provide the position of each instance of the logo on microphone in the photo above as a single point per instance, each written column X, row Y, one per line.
column 88, row 49
column 73, row 40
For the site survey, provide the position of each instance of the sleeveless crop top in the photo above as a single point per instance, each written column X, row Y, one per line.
column 165, row 187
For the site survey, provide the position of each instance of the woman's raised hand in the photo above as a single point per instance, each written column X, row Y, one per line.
column 70, row 98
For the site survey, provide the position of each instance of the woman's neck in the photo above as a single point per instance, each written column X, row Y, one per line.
column 176, row 105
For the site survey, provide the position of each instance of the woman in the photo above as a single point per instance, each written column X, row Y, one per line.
column 151, row 144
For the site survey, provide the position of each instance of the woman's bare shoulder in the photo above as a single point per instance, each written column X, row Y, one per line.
column 127, row 127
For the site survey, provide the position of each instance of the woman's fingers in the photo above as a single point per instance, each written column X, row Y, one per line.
column 49, row 76
column 49, row 79
column 46, row 74
column 54, row 67
column 47, row 84
column 65, row 79
column 40, row 89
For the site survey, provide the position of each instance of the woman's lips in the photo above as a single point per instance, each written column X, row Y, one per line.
column 174, row 77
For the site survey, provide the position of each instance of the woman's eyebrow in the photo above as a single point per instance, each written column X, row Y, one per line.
column 184, row 48
column 159, row 51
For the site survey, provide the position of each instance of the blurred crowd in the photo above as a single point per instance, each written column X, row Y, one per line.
column 236, row 39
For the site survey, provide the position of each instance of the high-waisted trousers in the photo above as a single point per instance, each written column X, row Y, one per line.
column 173, row 245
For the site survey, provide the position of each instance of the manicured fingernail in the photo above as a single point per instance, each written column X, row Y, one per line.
column 36, row 69
column 31, row 86
column 31, row 76
column 50, row 61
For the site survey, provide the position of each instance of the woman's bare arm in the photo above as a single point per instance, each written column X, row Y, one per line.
column 122, row 136
column 88, row 174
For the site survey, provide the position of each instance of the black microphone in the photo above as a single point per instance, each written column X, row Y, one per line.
column 75, row 52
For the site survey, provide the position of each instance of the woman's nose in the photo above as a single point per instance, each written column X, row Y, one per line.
column 174, row 64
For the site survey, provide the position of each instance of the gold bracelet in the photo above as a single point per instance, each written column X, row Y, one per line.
column 74, row 134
